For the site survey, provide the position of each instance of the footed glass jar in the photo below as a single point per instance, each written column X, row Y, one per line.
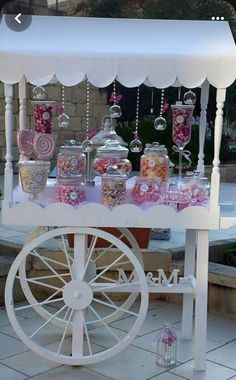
column 71, row 161
column 113, row 187
column 33, row 176
column 148, row 190
column 110, row 154
column 155, row 162
column 70, row 190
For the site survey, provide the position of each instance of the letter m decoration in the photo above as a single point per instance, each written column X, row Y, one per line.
column 123, row 279
column 163, row 280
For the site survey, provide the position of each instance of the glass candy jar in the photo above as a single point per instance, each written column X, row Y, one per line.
column 182, row 121
column 197, row 187
column 33, row 176
column 43, row 116
column 113, row 187
column 70, row 190
column 148, row 190
column 111, row 153
column 166, row 347
column 155, row 162
column 71, row 161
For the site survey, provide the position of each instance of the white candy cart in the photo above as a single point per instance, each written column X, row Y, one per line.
column 159, row 53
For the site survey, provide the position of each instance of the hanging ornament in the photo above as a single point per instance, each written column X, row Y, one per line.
column 106, row 123
column 63, row 119
column 152, row 108
column 115, row 110
column 39, row 93
column 189, row 97
column 87, row 143
column 136, row 145
column 160, row 122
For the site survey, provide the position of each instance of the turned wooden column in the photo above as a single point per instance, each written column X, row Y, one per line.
column 215, row 176
column 22, row 109
column 202, row 125
column 8, row 179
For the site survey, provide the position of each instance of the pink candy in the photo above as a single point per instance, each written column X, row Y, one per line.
column 25, row 139
column 181, row 132
column 44, row 146
column 68, row 164
column 100, row 165
column 147, row 192
column 70, row 194
column 43, row 114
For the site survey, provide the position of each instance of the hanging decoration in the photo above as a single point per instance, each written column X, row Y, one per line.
column 152, row 108
column 39, row 93
column 115, row 109
column 136, row 145
column 189, row 97
column 63, row 118
column 160, row 122
column 181, row 130
column 87, row 143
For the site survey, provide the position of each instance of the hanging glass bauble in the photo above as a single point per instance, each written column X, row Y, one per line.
column 39, row 93
column 136, row 146
column 160, row 123
column 189, row 97
column 63, row 121
column 115, row 111
column 87, row 145
column 106, row 123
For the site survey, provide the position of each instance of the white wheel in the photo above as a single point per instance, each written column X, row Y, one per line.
column 82, row 293
column 61, row 243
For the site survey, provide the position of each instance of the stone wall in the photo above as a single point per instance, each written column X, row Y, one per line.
column 75, row 107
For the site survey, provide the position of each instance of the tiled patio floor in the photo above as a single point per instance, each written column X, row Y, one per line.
column 137, row 362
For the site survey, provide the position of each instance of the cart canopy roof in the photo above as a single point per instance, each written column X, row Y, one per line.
column 155, row 52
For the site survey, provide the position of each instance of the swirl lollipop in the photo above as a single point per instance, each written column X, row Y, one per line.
column 25, row 139
column 44, row 146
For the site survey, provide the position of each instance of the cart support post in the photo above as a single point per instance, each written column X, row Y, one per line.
column 201, row 300
column 202, row 126
column 189, row 268
column 22, row 108
column 215, row 177
column 80, row 249
column 8, row 174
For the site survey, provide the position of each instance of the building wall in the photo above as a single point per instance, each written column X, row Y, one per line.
column 75, row 107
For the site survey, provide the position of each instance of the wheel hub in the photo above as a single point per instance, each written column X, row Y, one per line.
column 77, row 295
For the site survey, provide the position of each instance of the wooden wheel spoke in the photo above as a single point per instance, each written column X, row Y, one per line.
column 65, row 330
column 46, row 302
column 49, row 320
column 91, row 249
column 113, row 306
column 122, row 263
column 108, row 279
column 107, row 249
column 39, row 283
column 68, row 257
column 50, row 260
column 88, row 339
column 104, row 324
column 107, row 268
column 50, row 267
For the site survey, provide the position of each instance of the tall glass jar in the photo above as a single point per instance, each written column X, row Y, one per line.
column 111, row 153
column 113, row 187
column 70, row 190
column 166, row 347
column 33, row 175
column 71, row 161
column 155, row 162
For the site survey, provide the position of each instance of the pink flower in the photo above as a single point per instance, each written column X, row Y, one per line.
column 115, row 98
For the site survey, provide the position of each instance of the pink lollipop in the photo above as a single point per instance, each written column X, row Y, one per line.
column 25, row 139
column 44, row 146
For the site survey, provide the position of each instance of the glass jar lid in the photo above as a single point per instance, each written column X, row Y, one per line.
column 113, row 146
column 113, row 172
column 72, row 145
column 155, row 148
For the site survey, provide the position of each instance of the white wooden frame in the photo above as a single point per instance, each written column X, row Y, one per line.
column 197, row 220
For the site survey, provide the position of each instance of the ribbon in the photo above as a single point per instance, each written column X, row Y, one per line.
column 185, row 153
